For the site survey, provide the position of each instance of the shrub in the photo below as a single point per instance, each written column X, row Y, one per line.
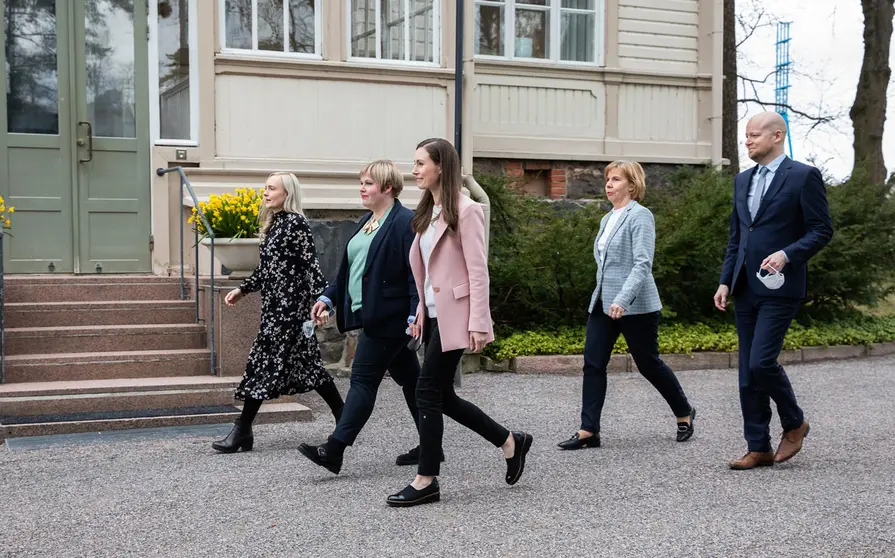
column 229, row 215
column 680, row 338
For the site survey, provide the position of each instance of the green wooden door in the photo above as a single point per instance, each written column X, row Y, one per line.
column 81, row 193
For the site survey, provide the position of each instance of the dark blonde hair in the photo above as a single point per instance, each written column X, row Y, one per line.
column 385, row 173
column 633, row 173
column 445, row 156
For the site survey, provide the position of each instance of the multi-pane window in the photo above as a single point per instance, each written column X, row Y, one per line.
column 397, row 30
column 272, row 26
column 556, row 30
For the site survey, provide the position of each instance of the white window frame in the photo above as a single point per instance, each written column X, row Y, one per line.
column 436, row 37
column 254, row 51
column 556, row 10
column 154, row 93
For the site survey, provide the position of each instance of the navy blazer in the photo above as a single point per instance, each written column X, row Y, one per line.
column 389, row 291
column 793, row 217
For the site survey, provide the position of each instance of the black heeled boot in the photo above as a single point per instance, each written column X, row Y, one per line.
column 240, row 437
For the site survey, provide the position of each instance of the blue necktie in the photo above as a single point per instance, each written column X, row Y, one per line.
column 759, row 191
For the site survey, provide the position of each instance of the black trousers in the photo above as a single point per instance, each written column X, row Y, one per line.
column 373, row 357
column 762, row 322
column 436, row 397
column 641, row 332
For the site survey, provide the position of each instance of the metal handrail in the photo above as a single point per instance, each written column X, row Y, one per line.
column 184, row 181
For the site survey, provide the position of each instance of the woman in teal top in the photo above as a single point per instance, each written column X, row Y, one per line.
column 375, row 293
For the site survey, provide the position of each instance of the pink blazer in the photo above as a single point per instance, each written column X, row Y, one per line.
column 458, row 269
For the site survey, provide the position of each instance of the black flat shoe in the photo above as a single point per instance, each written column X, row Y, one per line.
column 240, row 437
column 412, row 457
column 516, row 464
column 684, row 430
column 320, row 456
column 410, row 496
column 577, row 443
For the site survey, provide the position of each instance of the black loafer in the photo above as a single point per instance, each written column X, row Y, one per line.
column 319, row 455
column 410, row 496
column 412, row 457
column 576, row 442
column 684, row 430
column 516, row 464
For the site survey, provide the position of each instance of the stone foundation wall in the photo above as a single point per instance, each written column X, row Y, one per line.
column 563, row 179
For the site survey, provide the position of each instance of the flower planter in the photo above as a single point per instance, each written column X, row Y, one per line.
column 239, row 255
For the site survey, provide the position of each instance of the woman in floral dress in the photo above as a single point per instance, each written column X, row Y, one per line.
column 283, row 361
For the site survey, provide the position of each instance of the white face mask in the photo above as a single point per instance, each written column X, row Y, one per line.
column 773, row 280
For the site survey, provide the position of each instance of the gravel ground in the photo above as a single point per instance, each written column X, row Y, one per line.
column 642, row 494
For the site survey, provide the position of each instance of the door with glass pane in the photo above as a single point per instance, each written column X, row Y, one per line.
column 75, row 145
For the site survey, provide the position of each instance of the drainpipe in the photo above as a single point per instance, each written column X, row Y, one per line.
column 717, row 82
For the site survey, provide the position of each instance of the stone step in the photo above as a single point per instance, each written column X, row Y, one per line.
column 78, row 288
column 271, row 412
column 83, row 313
column 97, row 339
column 34, row 399
column 109, row 365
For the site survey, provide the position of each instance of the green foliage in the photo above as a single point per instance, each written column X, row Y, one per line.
column 679, row 338
column 857, row 267
column 541, row 257
column 692, row 227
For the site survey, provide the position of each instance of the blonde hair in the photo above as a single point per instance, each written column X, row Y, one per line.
column 385, row 173
column 291, row 205
column 633, row 173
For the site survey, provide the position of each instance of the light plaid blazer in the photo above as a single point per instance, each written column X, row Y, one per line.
column 625, row 276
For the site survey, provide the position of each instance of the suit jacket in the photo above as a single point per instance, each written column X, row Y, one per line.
column 389, row 291
column 625, row 276
column 793, row 217
column 458, row 270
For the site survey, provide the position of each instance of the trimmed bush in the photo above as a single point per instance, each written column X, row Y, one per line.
column 679, row 338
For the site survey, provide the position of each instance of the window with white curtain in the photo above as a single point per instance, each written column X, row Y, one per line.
column 550, row 30
column 395, row 30
column 279, row 27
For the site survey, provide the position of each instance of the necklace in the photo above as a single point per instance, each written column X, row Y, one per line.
column 371, row 226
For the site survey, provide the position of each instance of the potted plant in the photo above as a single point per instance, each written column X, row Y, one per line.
column 5, row 221
column 234, row 220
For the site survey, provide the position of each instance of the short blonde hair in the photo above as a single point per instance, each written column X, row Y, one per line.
column 385, row 173
column 633, row 173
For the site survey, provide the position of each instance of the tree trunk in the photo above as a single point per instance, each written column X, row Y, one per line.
column 730, row 114
column 868, row 114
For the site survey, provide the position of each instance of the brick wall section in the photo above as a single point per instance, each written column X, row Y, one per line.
column 514, row 169
column 558, row 183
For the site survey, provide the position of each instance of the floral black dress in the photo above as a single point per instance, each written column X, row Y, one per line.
column 282, row 360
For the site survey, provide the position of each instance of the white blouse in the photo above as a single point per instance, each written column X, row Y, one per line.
column 607, row 232
column 427, row 242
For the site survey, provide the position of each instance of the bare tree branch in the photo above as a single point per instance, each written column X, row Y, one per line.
column 816, row 119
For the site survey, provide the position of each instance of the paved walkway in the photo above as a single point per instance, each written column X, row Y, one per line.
column 642, row 494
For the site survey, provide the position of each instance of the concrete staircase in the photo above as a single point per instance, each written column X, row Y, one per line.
column 110, row 352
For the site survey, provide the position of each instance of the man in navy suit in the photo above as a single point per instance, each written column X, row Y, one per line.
column 780, row 220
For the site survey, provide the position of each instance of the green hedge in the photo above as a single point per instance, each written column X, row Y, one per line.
column 679, row 338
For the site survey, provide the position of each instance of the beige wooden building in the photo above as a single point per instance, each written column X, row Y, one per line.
column 240, row 88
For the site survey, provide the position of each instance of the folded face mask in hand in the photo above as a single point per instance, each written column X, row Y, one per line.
column 773, row 280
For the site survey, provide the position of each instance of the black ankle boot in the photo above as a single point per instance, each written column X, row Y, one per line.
column 239, row 437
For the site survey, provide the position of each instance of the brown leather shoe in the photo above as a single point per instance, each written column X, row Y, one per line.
column 752, row 460
column 791, row 443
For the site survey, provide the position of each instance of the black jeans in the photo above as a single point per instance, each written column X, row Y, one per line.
column 641, row 332
column 374, row 356
column 436, row 397
column 762, row 322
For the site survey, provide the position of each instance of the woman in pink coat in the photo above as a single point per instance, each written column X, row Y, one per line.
column 451, row 271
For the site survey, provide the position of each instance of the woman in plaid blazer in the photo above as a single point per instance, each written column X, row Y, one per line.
column 625, row 302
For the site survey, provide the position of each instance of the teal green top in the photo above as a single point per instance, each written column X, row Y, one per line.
column 358, row 248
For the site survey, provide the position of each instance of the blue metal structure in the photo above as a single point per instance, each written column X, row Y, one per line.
column 781, row 74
